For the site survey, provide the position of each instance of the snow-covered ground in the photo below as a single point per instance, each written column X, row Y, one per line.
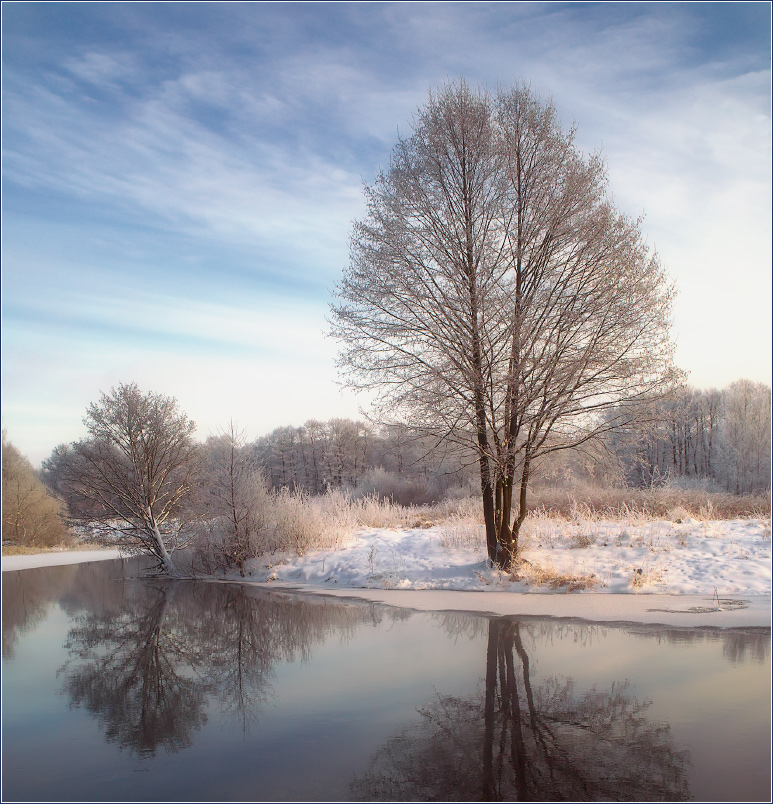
column 726, row 557
column 55, row 559
column 686, row 574
column 689, row 573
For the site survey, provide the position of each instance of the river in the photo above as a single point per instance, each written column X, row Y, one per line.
column 118, row 688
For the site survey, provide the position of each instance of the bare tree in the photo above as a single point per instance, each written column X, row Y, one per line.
column 232, row 503
column 745, row 437
column 495, row 297
column 135, row 470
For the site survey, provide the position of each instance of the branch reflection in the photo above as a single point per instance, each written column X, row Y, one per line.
column 519, row 740
column 149, row 671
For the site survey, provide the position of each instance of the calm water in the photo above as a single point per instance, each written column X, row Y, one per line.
column 117, row 689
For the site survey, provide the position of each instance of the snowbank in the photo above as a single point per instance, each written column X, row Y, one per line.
column 660, row 557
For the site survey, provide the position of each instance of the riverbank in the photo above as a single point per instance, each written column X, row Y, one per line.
column 677, row 611
column 459, row 579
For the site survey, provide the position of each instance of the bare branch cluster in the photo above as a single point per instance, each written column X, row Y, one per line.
column 495, row 297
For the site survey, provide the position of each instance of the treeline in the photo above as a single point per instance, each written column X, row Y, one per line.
column 715, row 440
column 718, row 438
column 361, row 458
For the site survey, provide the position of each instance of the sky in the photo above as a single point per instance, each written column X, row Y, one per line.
column 180, row 180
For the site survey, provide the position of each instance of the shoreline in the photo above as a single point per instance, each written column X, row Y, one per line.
column 643, row 608
column 671, row 611
column 57, row 558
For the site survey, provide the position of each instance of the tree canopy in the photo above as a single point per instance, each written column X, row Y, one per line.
column 496, row 298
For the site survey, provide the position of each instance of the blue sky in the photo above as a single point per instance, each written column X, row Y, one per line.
column 180, row 179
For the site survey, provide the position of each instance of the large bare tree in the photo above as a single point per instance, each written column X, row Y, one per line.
column 495, row 297
column 134, row 471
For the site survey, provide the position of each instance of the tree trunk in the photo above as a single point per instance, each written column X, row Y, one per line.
column 489, row 711
column 509, row 537
column 487, row 492
column 159, row 549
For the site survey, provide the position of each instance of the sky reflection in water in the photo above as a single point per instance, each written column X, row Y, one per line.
column 137, row 690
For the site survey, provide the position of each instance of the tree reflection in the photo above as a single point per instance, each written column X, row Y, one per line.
column 515, row 741
column 150, row 671
column 138, row 674
column 29, row 594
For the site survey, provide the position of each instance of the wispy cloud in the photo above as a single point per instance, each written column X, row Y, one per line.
column 180, row 179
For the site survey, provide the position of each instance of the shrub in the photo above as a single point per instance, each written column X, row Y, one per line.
column 32, row 516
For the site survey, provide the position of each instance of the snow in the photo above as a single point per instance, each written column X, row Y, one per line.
column 56, row 559
column 726, row 557
column 690, row 573
column 715, row 573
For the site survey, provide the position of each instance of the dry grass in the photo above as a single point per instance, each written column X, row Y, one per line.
column 461, row 533
column 547, row 575
column 645, row 576
column 302, row 523
column 592, row 502
column 373, row 511
column 24, row 550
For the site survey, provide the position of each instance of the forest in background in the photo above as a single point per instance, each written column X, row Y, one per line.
column 704, row 452
column 716, row 440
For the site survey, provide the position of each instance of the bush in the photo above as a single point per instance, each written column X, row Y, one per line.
column 407, row 491
column 32, row 516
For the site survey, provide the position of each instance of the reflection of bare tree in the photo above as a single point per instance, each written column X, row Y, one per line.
column 137, row 674
column 517, row 742
column 149, row 670
column 737, row 644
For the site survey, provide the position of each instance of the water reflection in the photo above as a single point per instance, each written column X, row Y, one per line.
column 146, row 669
column 738, row 645
column 29, row 595
column 517, row 741
column 163, row 667
column 27, row 598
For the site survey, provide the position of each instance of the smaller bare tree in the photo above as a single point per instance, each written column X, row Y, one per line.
column 231, row 504
column 134, row 471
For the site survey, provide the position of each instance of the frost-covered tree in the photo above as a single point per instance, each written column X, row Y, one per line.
column 496, row 299
column 744, row 439
column 132, row 475
column 715, row 437
column 231, row 503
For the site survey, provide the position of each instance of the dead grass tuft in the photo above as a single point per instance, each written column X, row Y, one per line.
column 547, row 575
column 462, row 533
column 645, row 576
